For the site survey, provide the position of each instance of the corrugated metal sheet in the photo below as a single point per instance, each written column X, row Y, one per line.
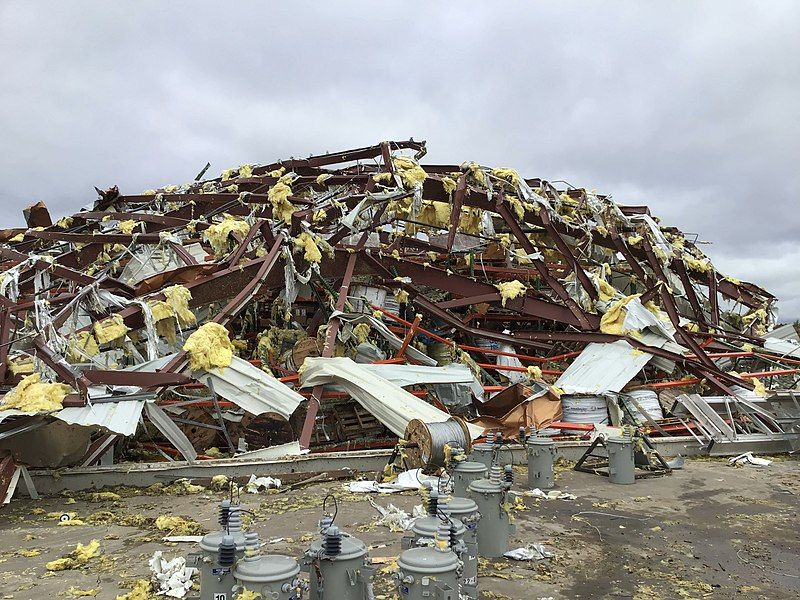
column 389, row 403
column 120, row 417
column 603, row 368
column 252, row 389
column 784, row 332
column 784, row 347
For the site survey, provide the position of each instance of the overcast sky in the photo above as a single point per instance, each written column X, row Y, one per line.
column 690, row 107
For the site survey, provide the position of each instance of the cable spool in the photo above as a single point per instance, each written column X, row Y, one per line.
column 426, row 442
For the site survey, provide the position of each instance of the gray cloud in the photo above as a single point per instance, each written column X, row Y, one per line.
column 691, row 108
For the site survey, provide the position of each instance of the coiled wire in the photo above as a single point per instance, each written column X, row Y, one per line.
column 443, row 434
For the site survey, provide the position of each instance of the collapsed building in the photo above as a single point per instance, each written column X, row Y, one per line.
column 322, row 304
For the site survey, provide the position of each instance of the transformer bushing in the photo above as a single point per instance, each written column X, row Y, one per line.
column 272, row 576
column 338, row 569
column 541, row 454
column 494, row 527
column 210, row 574
column 621, row 466
column 465, row 473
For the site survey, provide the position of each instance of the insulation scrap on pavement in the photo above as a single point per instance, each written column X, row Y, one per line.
column 329, row 300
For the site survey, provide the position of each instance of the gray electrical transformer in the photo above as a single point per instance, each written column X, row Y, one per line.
column 541, row 454
column 338, row 569
column 273, row 576
column 494, row 527
column 216, row 579
column 621, row 466
column 465, row 473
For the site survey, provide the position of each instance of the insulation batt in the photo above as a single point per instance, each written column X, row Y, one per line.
column 110, row 329
column 30, row 395
column 410, row 172
column 81, row 345
column 510, row 290
column 614, row 318
column 217, row 234
column 178, row 298
column 311, row 251
column 278, row 196
column 142, row 590
column 77, row 558
column 127, row 226
column 209, row 348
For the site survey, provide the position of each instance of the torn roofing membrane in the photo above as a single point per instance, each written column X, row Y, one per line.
column 258, row 304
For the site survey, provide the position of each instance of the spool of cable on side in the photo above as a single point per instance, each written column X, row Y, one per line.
column 426, row 442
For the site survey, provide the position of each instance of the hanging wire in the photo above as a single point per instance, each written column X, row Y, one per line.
column 335, row 506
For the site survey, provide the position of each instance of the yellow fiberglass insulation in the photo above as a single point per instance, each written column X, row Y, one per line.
column 178, row 298
column 164, row 318
column 21, row 366
column 160, row 309
column 760, row 388
column 701, row 266
column 31, row 395
column 361, row 332
column 77, row 558
column 217, row 234
column 209, row 348
column 534, row 372
column 509, row 175
column 246, row 171
column 434, row 213
column 75, row 592
column 321, row 179
column 311, row 251
column 449, row 184
column 475, row 170
column 127, row 227
column 81, row 345
column 110, row 329
column 401, row 296
column 410, row 172
column 437, row 214
column 278, row 196
column 471, row 220
column 142, row 590
column 606, row 291
column 246, row 594
column 634, row 239
column 517, row 205
column 614, row 318
column 172, row 525
column 522, row 256
column 383, row 178
column 510, row 290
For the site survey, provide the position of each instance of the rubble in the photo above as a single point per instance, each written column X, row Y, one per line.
column 331, row 300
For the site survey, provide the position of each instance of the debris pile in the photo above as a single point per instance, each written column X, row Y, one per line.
column 333, row 299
